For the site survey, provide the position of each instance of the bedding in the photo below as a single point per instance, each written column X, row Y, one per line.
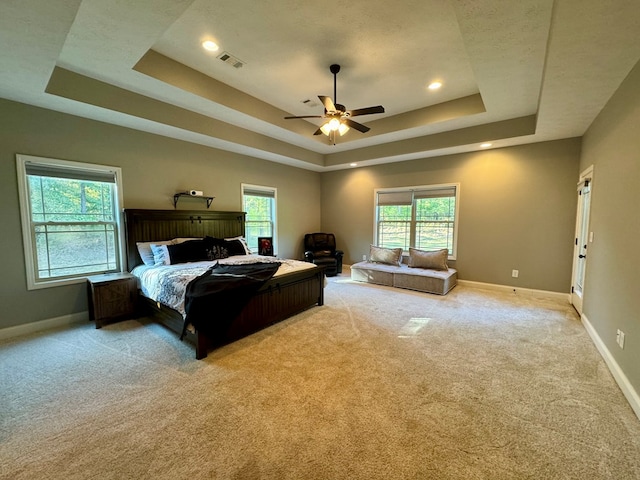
column 167, row 284
column 216, row 297
column 243, row 242
column 160, row 252
column 195, row 250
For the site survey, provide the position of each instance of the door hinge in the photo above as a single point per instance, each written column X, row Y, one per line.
column 572, row 289
column 576, row 240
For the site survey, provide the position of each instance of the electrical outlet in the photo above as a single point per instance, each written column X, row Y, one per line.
column 364, row 258
column 515, row 273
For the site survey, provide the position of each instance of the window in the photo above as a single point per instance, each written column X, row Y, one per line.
column 70, row 220
column 260, row 205
column 421, row 217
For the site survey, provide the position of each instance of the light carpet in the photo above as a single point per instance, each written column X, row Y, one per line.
column 379, row 383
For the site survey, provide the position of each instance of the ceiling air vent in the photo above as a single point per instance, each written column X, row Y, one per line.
column 310, row 103
column 226, row 57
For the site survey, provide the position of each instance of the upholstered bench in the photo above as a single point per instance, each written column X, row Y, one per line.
column 396, row 274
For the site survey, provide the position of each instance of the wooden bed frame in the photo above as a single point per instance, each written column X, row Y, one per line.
column 280, row 298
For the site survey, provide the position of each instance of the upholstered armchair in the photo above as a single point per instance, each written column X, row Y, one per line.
column 320, row 248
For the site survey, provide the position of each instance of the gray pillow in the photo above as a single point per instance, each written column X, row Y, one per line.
column 390, row 256
column 435, row 260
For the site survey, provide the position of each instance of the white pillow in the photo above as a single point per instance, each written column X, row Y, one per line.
column 244, row 243
column 146, row 254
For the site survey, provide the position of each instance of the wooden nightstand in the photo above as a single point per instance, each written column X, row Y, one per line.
column 112, row 296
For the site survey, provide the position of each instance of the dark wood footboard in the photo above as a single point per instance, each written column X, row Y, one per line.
column 279, row 299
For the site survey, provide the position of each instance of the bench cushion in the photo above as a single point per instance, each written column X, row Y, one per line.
column 372, row 272
column 402, row 276
column 426, row 280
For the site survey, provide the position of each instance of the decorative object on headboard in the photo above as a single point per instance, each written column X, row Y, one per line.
column 265, row 246
column 191, row 193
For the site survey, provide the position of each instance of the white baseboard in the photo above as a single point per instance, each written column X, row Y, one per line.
column 47, row 324
column 621, row 379
column 565, row 297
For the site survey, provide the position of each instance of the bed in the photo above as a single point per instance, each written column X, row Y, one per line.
column 288, row 292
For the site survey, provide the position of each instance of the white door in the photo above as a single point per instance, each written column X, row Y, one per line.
column 581, row 240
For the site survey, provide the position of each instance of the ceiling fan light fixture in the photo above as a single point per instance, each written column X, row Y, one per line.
column 334, row 125
column 326, row 129
column 337, row 118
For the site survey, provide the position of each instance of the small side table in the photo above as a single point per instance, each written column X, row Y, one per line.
column 112, row 296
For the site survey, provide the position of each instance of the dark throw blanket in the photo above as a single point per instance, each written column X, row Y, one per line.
column 217, row 296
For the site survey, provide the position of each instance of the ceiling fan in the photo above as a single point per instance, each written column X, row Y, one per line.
column 337, row 116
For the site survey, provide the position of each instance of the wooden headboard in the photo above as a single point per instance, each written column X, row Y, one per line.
column 150, row 225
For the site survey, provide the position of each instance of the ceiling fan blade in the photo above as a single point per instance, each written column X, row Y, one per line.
column 318, row 132
column 304, row 116
column 356, row 125
column 366, row 111
column 328, row 103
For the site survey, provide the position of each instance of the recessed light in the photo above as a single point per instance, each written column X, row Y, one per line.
column 353, row 164
column 485, row 145
column 434, row 85
column 210, row 45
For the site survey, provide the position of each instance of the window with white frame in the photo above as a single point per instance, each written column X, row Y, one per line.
column 424, row 217
column 260, row 205
column 70, row 219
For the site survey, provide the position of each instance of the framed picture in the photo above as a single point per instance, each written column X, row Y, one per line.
column 265, row 246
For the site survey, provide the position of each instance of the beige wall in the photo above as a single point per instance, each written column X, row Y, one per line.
column 517, row 210
column 612, row 284
column 153, row 169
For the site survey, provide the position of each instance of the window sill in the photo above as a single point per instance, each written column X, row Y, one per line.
column 33, row 285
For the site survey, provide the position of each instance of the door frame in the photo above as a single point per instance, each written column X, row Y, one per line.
column 581, row 242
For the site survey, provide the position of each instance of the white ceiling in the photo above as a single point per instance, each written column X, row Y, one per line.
column 514, row 72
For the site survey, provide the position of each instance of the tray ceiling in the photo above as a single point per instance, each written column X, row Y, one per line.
column 512, row 72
